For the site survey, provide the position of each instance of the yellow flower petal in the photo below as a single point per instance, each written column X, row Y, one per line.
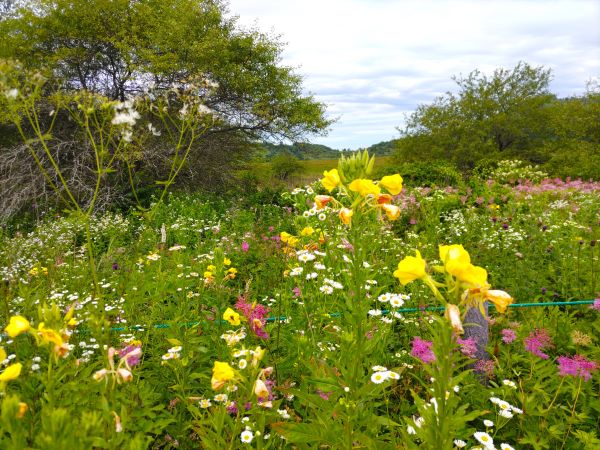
column 392, row 183
column 16, row 326
column 410, row 268
column 12, row 372
column 331, row 179
column 231, row 316
column 364, row 187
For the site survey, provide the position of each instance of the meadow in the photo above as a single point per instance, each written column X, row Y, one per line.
column 313, row 320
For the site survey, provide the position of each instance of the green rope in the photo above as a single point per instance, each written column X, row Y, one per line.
column 384, row 312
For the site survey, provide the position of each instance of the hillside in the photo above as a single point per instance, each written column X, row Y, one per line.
column 307, row 151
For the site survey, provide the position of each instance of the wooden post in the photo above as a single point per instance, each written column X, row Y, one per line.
column 477, row 327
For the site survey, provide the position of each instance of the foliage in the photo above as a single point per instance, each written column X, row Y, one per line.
column 510, row 114
column 285, row 165
column 283, row 291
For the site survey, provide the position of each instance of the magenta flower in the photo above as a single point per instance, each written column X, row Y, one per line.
column 132, row 354
column 245, row 246
column 468, row 347
column 421, row 349
column 485, row 367
column 508, row 336
column 297, row 292
column 578, row 366
column 255, row 314
column 324, row 395
column 537, row 341
column 596, row 304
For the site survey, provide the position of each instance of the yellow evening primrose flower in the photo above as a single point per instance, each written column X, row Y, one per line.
column 222, row 373
column 499, row 298
column 231, row 316
column 364, row 187
column 16, row 326
column 49, row 336
column 472, row 275
column 391, row 211
column 307, row 231
column 226, row 261
column 12, row 372
column 383, row 199
column 455, row 258
column 23, row 407
column 330, row 179
column 392, row 183
column 411, row 268
column 322, row 200
column 288, row 239
column 345, row 215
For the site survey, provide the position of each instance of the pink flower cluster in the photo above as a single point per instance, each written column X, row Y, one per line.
column 508, row 335
column 578, row 366
column 468, row 347
column 421, row 349
column 537, row 341
column 255, row 314
column 556, row 184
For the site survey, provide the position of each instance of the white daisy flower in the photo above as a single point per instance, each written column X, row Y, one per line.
column 246, row 436
column 379, row 377
column 484, row 438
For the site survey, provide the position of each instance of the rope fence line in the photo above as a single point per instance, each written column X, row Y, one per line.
column 383, row 312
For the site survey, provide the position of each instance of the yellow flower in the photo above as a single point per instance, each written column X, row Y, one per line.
column 331, row 179
column 384, row 198
column 208, row 275
column 16, row 326
column 222, row 373
column 2, row 354
column 364, row 187
column 226, row 261
column 346, row 215
column 307, row 231
column 23, row 407
column 231, row 316
column 288, row 239
column 392, row 183
column 211, row 268
column 322, row 200
column 473, row 275
column 12, row 372
column 410, row 268
column 499, row 298
column 49, row 336
column 391, row 211
column 453, row 315
column 455, row 258
column 257, row 355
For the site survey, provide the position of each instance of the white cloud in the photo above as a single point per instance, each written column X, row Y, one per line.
column 372, row 61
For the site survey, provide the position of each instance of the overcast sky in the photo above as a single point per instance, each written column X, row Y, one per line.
column 373, row 61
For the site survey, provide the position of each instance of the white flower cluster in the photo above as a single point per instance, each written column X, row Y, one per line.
column 381, row 374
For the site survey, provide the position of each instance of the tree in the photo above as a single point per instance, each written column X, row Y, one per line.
column 121, row 47
column 125, row 48
column 504, row 115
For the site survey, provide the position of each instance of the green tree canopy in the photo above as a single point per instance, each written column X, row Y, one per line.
column 122, row 47
column 503, row 114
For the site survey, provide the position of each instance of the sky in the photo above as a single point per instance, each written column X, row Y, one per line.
column 372, row 62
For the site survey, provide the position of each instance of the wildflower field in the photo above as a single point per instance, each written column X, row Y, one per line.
column 337, row 316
